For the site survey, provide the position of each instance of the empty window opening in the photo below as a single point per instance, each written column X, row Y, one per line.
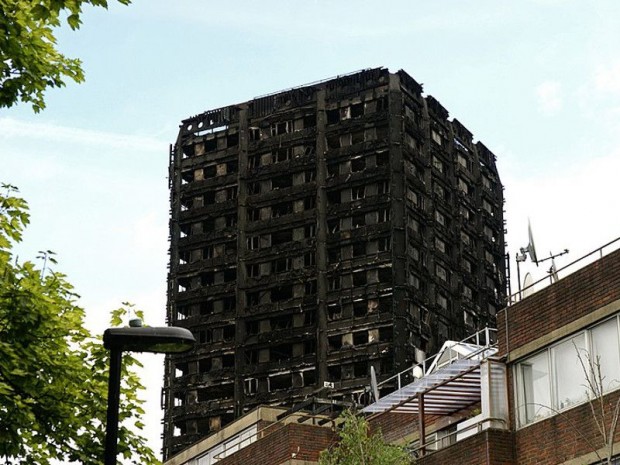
column 309, row 259
column 334, row 283
column 281, row 352
column 384, row 244
column 282, row 127
column 333, row 226
column 383, row 187
column 281, row 293
column 385, row 274
column 253, row 214
column 228, row 332
column 232, row 167
column 205, row 365
column 254, row 161
column 382, row 158
column 281, row 209
column 230, row 274
column 253, row 242
column 357, row 110
column 231, row 192
column 281, row 264
column 333, row 141
column 208, row 225
column 334, row 372
column 333, row 197
column 252, row 298
column 358, row 164
column 230, row 247
column 310, row 287
column 309, row 120
column 254, row 133
column 334, row 312
column 254, row 188
column 359, row 278
column 383, row 215
column 282, row 182
column 252, row 327
column 309, row 202
column 309, row 231
column 229, row 303
column 358, row 192
column 250, row 386
column 333, row 254
column 217, row 391
column 181, row 369
column 357, row 137
column 360, row 309
column 280, row 382
column 360, row 337
column 360, row 369
column 252, row 270
column 359, row 220
column 309, row 176
column 281, row 237
column 333, row 116
column 281, row 322
column 206, row 308
column 210, row 145
column 359, row 248
column 281, row 154
column 385, row 333
column 208, row 278
column 228, row 360
column 334, row 342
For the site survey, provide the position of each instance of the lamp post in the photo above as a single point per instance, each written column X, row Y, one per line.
column 163, row 340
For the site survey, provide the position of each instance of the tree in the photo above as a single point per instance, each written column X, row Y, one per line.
column 29, row 60
column 358, row 447
column 53, row 373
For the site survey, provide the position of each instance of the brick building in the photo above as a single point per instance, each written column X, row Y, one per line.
column 547, row 343
column 318, row 233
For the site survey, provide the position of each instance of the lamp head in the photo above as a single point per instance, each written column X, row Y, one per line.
column 162, row 340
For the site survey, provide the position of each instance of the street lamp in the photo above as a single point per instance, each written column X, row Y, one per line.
column 163, row 340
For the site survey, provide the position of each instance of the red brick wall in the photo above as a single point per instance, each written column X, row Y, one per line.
column 573, row 297
column 491, row 447
column 561, row 437
column 305, row 441
column 394, row 426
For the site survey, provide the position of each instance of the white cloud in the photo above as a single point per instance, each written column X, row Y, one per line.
column 549, row 95
column 607, row 78
column 15, row 128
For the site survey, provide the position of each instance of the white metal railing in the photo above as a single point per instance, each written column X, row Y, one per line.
column 485, row 340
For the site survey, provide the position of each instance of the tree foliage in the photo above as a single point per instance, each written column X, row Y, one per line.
column 53, row 373
column 358, row 447
column 29, row 59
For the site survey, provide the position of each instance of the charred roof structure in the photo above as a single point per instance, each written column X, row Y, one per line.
column 319, row 233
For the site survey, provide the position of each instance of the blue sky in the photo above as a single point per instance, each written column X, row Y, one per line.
column 537, row 81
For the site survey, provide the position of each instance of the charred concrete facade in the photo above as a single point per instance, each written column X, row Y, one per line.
column 318, row 232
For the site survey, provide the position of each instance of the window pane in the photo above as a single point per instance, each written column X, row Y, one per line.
column 570, row 379
column 606, row 353
column 535, row 390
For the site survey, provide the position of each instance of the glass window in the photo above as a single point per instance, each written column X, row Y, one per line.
column 535, row 393
column 569, row 358
column 606, row 354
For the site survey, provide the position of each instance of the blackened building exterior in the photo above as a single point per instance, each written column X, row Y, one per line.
column 316, row 233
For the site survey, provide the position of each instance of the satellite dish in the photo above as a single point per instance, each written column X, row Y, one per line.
column 530, row 247
column 417, row 372
column 528, row 289
column 373, row 383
